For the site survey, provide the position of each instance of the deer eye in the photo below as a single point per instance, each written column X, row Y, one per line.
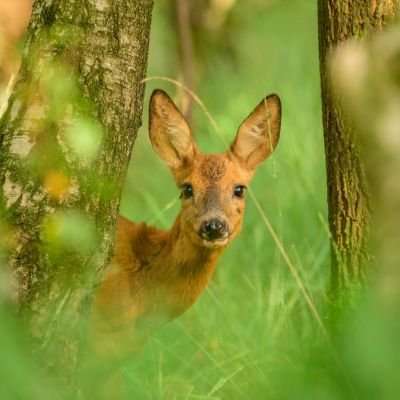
column 187, row 190
column 238, row 191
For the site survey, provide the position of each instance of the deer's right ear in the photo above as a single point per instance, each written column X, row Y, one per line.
column 258, row 135
column 169, row 131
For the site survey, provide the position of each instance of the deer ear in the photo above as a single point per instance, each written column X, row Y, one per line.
column 258, row 134
column 169, row 131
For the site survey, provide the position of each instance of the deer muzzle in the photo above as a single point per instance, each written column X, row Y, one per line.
column 214, row 230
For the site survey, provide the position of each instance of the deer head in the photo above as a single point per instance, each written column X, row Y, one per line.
column 213, row 185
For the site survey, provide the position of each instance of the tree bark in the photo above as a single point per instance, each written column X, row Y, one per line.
column 65, row 143
column 348, row 197
column 374, row 96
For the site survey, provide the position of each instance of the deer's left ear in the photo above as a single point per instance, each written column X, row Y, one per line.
column 258, row 135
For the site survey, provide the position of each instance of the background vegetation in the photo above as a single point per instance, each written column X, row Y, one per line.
column 253, row 323
column 251, row 334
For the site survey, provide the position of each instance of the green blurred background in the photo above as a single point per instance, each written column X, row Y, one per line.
column 252, row 326
column 251, row 335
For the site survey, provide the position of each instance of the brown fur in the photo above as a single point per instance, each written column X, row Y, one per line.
column 157, row 275
column 212, row 168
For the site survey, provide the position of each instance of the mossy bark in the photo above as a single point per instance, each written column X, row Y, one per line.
column 82, row 67
column 348, row 198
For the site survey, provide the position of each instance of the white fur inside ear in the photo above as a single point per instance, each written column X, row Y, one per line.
column 254, row 137
column 258, row 134
column 169, row 131
column 178, row 137
column 257, row 130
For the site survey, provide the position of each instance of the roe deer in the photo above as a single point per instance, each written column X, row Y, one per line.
column 156, row 275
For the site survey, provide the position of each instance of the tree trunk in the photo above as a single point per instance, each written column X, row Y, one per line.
column 66, row 140
column 348, row 198
column 377, row 58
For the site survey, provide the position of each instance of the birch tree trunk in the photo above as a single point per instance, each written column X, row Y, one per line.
column 348, row 197
column 65, row 143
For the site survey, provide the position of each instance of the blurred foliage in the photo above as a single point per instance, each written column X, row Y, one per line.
column 251, row 334
column 72, row 230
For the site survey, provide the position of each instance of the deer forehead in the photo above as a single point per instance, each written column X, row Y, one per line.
column 215, row 170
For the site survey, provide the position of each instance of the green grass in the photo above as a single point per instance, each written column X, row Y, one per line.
column 251, row 329
column 252, row 334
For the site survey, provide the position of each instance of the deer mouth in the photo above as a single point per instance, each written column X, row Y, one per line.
column 214, row 243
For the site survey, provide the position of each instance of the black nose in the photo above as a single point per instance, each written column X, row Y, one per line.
column 213, row 229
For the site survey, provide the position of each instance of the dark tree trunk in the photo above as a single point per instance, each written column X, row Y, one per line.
column 66, row 140
column 348, row 198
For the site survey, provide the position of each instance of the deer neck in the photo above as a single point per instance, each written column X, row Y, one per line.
column 184, row 269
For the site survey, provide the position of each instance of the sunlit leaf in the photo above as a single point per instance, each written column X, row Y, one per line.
column 84, row 138
column 66, row 231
